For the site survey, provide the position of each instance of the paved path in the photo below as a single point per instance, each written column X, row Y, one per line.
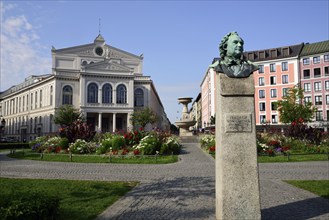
column 185, row 190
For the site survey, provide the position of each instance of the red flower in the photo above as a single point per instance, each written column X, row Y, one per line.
column 141, row 128
column 136, row 152
column 301, row 120
column 293, row 123
column 212, row 149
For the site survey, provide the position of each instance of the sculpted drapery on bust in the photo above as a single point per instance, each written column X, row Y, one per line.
column 232, row 63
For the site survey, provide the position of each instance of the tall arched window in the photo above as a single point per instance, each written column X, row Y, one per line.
column 139, row 97
column 51, row 95
column 92, row 93
column 107, row 93
column 121, row 94
column 67, row 95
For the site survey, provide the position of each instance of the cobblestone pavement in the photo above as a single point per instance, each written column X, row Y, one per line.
column 185, row 190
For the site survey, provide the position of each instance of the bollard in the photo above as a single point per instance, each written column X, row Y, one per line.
column 70, row 156
column 110, row 158
column 288, row 156
column 41, row 156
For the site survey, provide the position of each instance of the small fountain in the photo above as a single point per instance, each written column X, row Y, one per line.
column 186, row 122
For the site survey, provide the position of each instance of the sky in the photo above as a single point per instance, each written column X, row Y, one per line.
column 178, row 39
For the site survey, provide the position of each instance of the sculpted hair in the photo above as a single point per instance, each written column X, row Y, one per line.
column 223, row 44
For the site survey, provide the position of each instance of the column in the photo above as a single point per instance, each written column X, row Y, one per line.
column 130, row 127
column 100, row 122
column 114, row 121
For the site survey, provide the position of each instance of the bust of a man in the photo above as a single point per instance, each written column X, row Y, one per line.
column 232, row 63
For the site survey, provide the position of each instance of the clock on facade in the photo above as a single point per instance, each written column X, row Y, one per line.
column 99, row 51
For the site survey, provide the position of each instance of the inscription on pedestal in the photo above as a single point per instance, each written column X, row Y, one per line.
column 238, row 123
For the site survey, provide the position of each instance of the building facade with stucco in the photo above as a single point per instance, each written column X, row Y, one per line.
column 105, row 83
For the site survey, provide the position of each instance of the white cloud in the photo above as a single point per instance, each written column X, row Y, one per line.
column 20, row 52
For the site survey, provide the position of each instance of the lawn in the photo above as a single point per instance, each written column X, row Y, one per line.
column 31, row 155
column 318, row 187
column 293, row 158
column 77, row 199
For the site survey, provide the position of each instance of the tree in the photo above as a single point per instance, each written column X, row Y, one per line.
column 143, row 117
column 66, row 115
column 292, row 109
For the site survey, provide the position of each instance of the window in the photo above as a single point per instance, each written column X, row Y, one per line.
column 326, row 59
column 273, row 93
column 92, row 93
column 326, row 85
column 261, row 81
column 318, row 116
column 40, row 104
column 284, row 66
column 272, row 67
column 274, row 106
column 285, row 92
column 306, row 61
column 121, row 94
column 36, row 99
column 317, row 86
column 318, row 100
column 262, row 119
column 284, row 79
column 67, row 95
column 261, row 94
column 139, row 97
column 327, row 103
column 273, row 80
column 317, row 72
column 107, row 93
column 326, row 70
column 262, row 106
column 51, row 95
column 261, row 69
column 274, row 119
column 316, row 59
column 307, row 99
column 307, row 74
column 307, row 87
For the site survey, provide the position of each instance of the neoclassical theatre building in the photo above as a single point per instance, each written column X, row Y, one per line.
column 105, row 83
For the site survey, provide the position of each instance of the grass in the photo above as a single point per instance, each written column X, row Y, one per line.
column 78, row 199
column 292, row 158
column 31, row 155
column 318, row 187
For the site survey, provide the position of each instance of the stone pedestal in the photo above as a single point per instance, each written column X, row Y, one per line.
column 237, row 182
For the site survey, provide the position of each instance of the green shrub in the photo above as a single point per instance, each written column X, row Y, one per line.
column 82, row 147
column 13, row 145
column 28, row 205
column 105, row 146
column 149, row 145
column 118, row 142
column 170, row 145
column 64, row 143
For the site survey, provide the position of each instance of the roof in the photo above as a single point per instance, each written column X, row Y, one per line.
column 274, row 53
column 315, row 48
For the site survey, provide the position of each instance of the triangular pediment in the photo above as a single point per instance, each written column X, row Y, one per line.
column 88, row 50
column 107, row 65
column 82, row 50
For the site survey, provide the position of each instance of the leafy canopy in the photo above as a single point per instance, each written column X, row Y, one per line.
column 292, row 109
column 66, row 115
column 143, row 117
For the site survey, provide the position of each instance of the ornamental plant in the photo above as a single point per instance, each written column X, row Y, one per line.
column 148, row 145
column 82, row 147
column 170, row 145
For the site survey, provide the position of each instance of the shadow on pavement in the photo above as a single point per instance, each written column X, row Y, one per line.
column 300, row 210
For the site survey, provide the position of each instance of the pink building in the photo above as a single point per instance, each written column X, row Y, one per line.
column 208, row 93
column 278, row 71
column 314, row 79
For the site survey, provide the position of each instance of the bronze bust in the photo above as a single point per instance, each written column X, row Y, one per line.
column 232, row 63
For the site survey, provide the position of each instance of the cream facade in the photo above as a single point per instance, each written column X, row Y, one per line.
column 105, row 83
